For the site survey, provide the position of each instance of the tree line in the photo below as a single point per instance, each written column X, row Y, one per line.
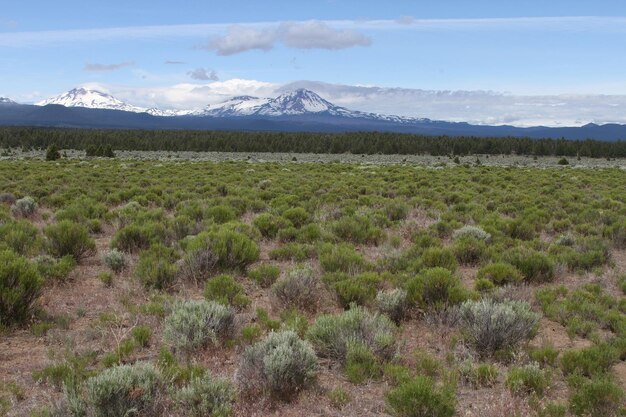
column 301, row 142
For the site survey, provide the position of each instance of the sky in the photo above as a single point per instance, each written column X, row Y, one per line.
column 549, row 62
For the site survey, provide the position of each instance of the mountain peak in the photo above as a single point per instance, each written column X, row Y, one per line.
column 295, row 102
column 5, row 100
column 92, row 99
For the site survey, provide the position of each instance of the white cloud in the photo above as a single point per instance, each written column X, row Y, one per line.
column 299, row 35
column 106, row 67
column 240, row 38
column 318, row 35
column 203, row 74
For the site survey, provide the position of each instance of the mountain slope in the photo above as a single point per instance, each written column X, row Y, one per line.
column 5, row 100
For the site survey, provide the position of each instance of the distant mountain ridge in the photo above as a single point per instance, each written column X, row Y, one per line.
column 297, row 110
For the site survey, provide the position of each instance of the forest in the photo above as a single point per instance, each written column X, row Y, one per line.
column 354, row 142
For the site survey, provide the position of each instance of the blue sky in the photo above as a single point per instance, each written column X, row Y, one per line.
column 154, row 52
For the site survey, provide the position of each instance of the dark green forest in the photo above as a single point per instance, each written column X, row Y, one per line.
column 336, row 143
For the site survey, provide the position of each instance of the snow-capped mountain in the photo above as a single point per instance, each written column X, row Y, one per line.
column 92, row 99
column 294, row 103
column 300, row 102
column 4, row 100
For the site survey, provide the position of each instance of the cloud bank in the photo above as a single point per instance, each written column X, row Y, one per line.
column 298, row 35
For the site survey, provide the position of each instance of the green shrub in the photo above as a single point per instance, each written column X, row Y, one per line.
column 250, row 333
column 545, row 355
column 469, row 251
column 617, row 233
column 193, row 325
column 123, row 390
column 359, row 289
column 529, row 379
column 598, row 397
column 265, row 275
column 420, row 397
column 396, row 374
column 439, row 257
column 293, row 252
column 233, row 249
column 206, row 396
column 393, row 303
column 589, row 362
column 535, row 266
column 156, row 267
column 269, row 225
column 221, row 214
column 225, row 290
column 135, row 237
column 115, row 260
column 298, row 289
column 68, row 238
column 356, row 230
column 281, row 365
column 55, row 269
column 500, row 273
column 484, row 285
column 396, row 210
column 297, row 216
column 20, row 285
column 490, row 326
column 342, row 258
column 331, row 334
column 141, row 335
column 20, row 236
column 427, row 364
column 521, row 229
column 436, row 288
column 361, row 363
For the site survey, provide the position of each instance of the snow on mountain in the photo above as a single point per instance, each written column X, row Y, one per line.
column 91, row 99
column 294, row 103
column 235, row 106
column 4, row 100
column 299, row 102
